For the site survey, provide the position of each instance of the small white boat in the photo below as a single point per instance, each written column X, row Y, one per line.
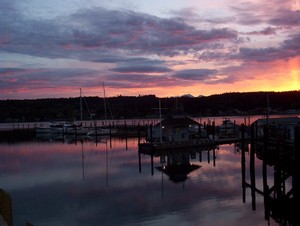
column 101, row 131
column 73, row 128
column 53, row 127
column 56, row 127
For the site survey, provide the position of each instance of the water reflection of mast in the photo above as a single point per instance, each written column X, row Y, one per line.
column 82, row 160
column 106, row 153
column 162, row 161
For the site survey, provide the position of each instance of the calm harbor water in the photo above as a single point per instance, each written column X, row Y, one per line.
column 82, row 182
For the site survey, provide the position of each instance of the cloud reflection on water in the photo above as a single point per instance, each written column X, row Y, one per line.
column 55, row 183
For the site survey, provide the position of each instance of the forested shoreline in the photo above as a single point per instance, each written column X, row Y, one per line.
column 248, row 103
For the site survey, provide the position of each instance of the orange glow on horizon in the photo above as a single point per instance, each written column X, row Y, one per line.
column 275, row 76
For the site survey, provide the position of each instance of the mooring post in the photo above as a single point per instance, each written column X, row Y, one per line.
column 213, row 129
column 140, row 165
column 243, row 164
column 214, row 156
column 266, row 188
column 199, row 130
column 151, row 141
column 200, row 156
column 139, row 133
column 208, row 156
column 252, row 170
column 296, row 167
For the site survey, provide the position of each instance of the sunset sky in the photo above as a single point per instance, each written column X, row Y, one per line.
column 136, row 47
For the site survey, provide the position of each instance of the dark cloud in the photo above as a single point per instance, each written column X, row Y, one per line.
column 142, row 65
column 136, row 80
column 277, row 13
column 288, row 49
column 286, row 17
column 99, row 30
column 266, row 31
column 142, row 33
column 9, row 71
column 141, row 69
column 196, row 74
column 15, row 78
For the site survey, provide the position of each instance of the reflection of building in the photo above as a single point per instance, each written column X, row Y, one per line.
column 276, row 149
column 176, row 138
column 177, row 163
column 178, row 166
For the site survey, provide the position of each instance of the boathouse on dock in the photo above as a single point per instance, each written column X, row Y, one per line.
column 176, row 126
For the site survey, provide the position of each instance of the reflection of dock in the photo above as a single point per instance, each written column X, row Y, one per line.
column 281, row 196
column 183, row 149
column 176, row 162
column 158, row 148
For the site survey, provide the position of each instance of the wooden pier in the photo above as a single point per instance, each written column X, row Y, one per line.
column 280, row 197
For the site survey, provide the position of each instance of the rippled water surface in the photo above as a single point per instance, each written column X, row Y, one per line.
column 83, row 182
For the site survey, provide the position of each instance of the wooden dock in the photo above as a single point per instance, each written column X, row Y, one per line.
column 198, row 145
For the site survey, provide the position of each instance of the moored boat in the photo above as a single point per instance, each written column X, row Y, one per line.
column 227, row 128
column 73, row 128
column 52, row 127
column 100, row 131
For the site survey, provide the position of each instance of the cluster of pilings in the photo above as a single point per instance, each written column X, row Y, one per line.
column 280, row 200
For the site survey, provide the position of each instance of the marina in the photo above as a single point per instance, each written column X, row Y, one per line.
column 137, row 113
column 116, row 171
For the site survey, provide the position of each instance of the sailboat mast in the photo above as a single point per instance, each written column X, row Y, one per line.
column 159, row 107
column 104, row 99
column 80, row 106
column 268, row 105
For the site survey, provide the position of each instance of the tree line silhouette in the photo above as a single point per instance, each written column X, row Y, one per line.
column 120, row 107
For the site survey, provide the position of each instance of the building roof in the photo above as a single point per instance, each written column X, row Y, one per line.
column 177, row 118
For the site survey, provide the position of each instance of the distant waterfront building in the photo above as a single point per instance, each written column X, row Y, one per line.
column 279, row 128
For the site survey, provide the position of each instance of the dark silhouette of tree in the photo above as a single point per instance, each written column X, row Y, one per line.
column 147, row 106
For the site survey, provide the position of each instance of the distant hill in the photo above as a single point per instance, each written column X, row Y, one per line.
column 147, row 106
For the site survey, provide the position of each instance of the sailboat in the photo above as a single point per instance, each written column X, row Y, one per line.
column 73, row 127
column 105, row 129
